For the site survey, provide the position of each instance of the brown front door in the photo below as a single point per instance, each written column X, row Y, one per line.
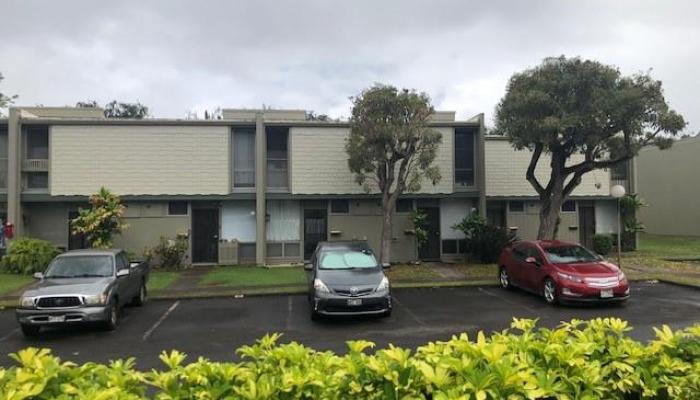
column 430, row 250
column 586, row 224
column 205, row 235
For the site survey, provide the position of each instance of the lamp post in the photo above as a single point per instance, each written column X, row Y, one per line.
column 617, row 192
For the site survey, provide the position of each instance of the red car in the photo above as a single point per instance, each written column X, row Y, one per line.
column 561, row 271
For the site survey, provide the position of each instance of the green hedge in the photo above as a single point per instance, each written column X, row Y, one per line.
column 578, row 360
column 28, row 255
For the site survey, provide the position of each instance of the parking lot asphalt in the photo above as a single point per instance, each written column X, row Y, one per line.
column 214, row 328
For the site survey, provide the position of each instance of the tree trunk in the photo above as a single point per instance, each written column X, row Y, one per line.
column 388, row 202
column 551, row 201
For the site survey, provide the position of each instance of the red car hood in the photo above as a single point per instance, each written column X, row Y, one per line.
column 599, row 268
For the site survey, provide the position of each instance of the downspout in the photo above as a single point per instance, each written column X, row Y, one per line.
column 14, row 160
column 481, row 172
column 260, row 187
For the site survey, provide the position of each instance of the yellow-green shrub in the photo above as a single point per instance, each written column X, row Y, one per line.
column 578, row 360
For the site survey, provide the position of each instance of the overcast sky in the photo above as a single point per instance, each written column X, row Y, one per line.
column 176, row 56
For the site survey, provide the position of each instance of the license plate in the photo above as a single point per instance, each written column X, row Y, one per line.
column 355, row 302
column 606, row 293
column 57, row 318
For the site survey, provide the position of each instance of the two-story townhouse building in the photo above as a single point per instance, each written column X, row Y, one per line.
column 260, row 186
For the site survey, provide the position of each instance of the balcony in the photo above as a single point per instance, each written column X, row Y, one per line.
column 35, row 165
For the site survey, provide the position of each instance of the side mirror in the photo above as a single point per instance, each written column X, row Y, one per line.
column 122, row 272
column 386, row 265
column 308, row 266
column 38, row 275
column 532, row 260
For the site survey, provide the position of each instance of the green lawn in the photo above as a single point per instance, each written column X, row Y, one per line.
column 254, row 276
column 405, row 272
column 660, row 246
column 160, row 280
column 11, row 282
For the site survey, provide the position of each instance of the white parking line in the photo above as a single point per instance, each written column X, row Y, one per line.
column 289, row 312
column 160, row 321
column 510, row 302
column 2, row 339
column 408, row 311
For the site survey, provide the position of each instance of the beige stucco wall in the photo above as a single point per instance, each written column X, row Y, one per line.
column 139, row 160
column 506, row 168
column 528, row 222
column 666, row 181
column 47, row 221
column 148, row 221
column 364, row 222
column 319, row 162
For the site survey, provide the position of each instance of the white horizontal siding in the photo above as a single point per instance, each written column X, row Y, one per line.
column 139, row 160
column 506, row 168
column 319, row 162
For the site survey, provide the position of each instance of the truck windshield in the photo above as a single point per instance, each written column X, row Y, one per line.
column 80, row 267
column 347, row 259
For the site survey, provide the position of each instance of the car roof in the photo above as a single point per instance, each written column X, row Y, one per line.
column 345, row 244
column 91, row 252
column 550, row 243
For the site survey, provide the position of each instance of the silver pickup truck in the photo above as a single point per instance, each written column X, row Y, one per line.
column 83, row 286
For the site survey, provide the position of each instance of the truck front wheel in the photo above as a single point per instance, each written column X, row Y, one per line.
column 112, row 320
column 30, row 330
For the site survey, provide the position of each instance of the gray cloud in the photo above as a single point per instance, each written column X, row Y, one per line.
column 179, row 55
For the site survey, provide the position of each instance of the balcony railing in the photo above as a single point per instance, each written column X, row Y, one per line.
column 35, row 165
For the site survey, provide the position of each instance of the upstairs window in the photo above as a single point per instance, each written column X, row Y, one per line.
column 618, row 172
column 243, row 157
column 277, row 177
column 37, row 142
column 37, row 180
column 464, row 158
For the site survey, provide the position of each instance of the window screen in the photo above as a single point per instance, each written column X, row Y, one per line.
column 464, row 157
column 516, row 206
column 177, row 208
column 568, row 206
column 404, row 205
column 340, row 206
column 244, row 157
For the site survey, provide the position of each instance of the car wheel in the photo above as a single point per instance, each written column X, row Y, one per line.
column 549, row 291
column 315, row 316
column 30, row 330
column 504, row 278
column 112, row 316
column 387, row 313
column 141, row 298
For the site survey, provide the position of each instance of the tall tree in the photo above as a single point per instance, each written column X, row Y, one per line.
column 117, row 109
column 5, row 100
column 567, row 107
column 391, row 148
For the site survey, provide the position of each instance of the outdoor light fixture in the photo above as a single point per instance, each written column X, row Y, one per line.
column 618, row 191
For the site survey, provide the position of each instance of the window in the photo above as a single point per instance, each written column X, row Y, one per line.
column 37, row 180
column 516, row 206
column 347, row 259
column 568, row 206
column 618, row 172
column 177, row 208
column 449, row 246
column 404, row 205
column 244, row 157
column 464, row 158
column 277, row 157
column 37, row 142
column 340, row 206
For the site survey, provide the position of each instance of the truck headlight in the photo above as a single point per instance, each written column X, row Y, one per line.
column 95, row 299
column 319, row 286
column 26, row 302
column 383, row 285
